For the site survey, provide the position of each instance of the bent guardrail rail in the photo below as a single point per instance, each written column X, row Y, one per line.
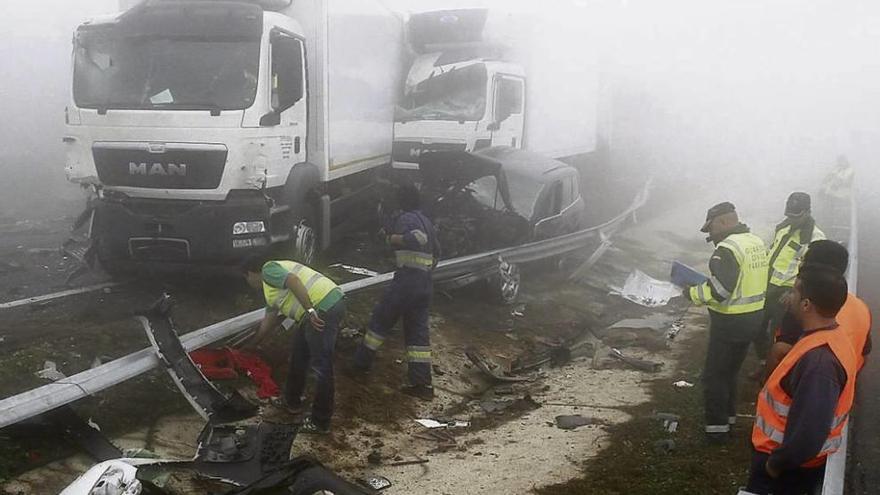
column 47, row 397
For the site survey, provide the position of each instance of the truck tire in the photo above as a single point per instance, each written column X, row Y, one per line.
column 319, row 480
column 504, row 283
column 301, row 220
column 304, row 244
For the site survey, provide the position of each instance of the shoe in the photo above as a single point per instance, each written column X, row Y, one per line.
column 292, row 409
column 310, row 427
column 423, row 392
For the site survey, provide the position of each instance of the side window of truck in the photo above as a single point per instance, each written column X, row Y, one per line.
column 510, row 98
column 287, row 72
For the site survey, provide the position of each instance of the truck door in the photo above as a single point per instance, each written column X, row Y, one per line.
column 508, row 112
column 288, row 116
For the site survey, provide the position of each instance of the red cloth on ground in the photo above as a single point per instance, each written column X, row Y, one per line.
column 224, row 364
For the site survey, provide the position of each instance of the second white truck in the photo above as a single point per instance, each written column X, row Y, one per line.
column 482, row 78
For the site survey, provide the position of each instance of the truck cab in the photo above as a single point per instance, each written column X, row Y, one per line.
column 203, row 129
column 459, row 106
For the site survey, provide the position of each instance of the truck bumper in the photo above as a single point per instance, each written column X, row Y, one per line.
column 179, row 232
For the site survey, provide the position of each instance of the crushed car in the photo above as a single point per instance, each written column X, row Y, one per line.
column 495, row 198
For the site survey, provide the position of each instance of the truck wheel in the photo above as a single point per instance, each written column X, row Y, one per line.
column 321, row 481
column 504, row 284
column 303, row 244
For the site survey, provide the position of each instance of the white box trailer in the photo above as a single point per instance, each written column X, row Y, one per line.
column 209, row 130
column 484, row 78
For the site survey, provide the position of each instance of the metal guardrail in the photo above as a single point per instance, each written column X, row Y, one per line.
column 47, row 397
column 835, row 466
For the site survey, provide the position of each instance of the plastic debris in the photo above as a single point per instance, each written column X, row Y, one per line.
column 356, row 270
column 375, row 482
column 646, row 291
column 50, row 372
column 573, row 421
column 682, row 384
column 433, row 423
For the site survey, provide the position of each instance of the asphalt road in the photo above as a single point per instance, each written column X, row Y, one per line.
column 863, row 475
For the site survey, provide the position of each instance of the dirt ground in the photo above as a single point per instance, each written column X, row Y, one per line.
column 512, row 444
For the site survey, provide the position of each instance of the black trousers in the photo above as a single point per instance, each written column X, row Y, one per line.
column 724, row 359
column 773, row 313
column 800, row 481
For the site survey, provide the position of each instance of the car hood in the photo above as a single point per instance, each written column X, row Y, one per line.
column 445, row 169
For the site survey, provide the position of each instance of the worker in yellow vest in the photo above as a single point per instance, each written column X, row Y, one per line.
column 313, row 306
column 804, row 406
column 792, row 238
column 734, row 295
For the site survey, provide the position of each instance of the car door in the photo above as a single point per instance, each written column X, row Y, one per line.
column 508, row 111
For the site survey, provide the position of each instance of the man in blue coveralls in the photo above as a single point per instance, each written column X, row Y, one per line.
column 408, row 297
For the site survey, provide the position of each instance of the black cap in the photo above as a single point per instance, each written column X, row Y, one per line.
column 717, row 211
column 798, row 203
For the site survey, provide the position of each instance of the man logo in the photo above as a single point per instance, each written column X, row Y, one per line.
column 157, row 169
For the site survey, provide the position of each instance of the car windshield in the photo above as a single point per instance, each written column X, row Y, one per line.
column 113, row 70
column 459, row 94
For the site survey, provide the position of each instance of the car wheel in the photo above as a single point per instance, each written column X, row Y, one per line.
column 504, row 284
column 321, row 481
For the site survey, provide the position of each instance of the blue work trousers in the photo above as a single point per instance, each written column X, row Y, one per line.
column 313, row 349
column 408, row 298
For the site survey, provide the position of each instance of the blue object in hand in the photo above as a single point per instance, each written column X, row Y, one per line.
column 685, row 276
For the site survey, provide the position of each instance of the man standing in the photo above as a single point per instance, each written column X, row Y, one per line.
column 803, row 408
column 793, row 236
column 854, row 317
column 408, row 297
column 315, row 305
column 734, row 295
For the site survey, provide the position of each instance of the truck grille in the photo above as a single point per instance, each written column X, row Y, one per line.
column 410, row 151
column 182, row 166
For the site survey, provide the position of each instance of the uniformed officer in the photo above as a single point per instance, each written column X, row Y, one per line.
column 408, row 297
column 793, row 236
column 315, row 306
column 734, row 295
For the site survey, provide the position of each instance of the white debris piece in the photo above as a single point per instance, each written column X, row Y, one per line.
column 107, row 478
column 356, row 270
column 432, row 423
column 50, row 372
column 682, row 384
column 646, row 291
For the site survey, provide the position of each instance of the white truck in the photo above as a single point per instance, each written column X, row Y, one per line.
column 483, row 78
column 208, row 130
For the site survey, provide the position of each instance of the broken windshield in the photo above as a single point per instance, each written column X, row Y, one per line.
column 459, row 94
column 112, row 70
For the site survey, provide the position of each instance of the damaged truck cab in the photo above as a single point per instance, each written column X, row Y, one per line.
column 208, row 130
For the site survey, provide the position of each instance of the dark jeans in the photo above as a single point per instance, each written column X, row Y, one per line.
column 723, row 361
column 314, row 349
column 800, row 481
column 773, row 312
column 407, row 298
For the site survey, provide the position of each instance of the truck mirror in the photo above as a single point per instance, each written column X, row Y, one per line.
column 494, row 126
column 271, row 119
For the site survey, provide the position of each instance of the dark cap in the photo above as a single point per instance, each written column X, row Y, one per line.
column 798, row 203
column 717, row 211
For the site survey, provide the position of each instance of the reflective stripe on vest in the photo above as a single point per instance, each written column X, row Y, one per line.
column 317, row 285
column 785, row 266
column 414, row 259
column 774, row 404
column 751, row 285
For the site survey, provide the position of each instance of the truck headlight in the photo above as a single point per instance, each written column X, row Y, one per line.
column 240, row 228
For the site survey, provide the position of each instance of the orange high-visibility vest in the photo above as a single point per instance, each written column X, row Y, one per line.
column 773, row 403
column 855, row 318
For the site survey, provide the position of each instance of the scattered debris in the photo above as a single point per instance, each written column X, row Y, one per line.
column 374, row 482
column 349, row 333
column 519, row 311
column 491, row 369
column 674, row 329
column 356, row 270
column 432, row 423
column 224, row 364
column 209, row 402
column 50, row 372
column 640, row 364
column 409, row 463
column 682, row 384
column 572, row 421
column 496, row 406
column 374, row 457
column 646, row 291
column 664, row 446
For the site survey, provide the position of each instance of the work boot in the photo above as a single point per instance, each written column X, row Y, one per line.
column 423, row 392
column 309, row 426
